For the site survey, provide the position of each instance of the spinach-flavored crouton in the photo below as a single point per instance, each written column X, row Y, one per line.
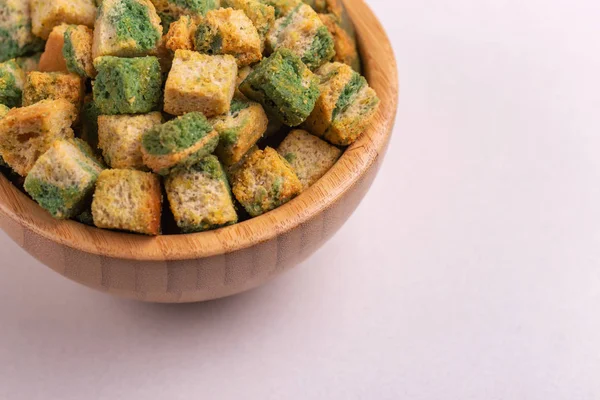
column 264, row 182
column 126, row 28
column 89, row 121
column 309, row 156
column 180, row 142
column 282, row 7
column 12, row 80
column 182, row 32
column 302, row 32
column 239, row 130
column 284, row 86
column 63, row 178
column 200, row 197
column 127, row 85
column 200, row 82
column 77, row 50
column 52, row 59
column 128, row 200
column 262, row 15
column 170, row 10
column 228, row 31
column 120, row 138
column 346, row 50
column 46, row 14
column 26, row 133
column 16, row 38
column 345, row 107
column 52, row 86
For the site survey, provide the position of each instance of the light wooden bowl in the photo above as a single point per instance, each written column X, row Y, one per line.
column 210, row 265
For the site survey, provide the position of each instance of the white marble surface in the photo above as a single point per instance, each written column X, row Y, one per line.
column 470, row 271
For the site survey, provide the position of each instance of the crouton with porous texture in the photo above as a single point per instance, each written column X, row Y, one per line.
column 12, row 80
column 46, row 14
column 77, row 50
column 26, row 133
column 63, row 178
column 284, row 86
column 52, row 86
column 264, row 182
column 126, row 28
column 128, row 200
column 181, row 142
column 200, row 196
column 345, row 106
column 200, row 82
column 120, row 138
column 52, row 59
column 309, row 156
column 15, row 30
column 346, row 50
column 239, row 129
column 262, row 15
column 170, row 11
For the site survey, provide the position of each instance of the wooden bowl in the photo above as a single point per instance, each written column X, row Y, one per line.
column 210, row 265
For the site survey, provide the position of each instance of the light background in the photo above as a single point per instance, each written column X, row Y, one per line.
column 470, row 271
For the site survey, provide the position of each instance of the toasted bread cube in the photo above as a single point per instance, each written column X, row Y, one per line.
column 15, row 27
column 232, row 170
column 63, row 178
column 77, row 50
column 284, row 86
column 128, row 200
column 171, row 10
column 126, row 28
column 239, row 130
column 262, row 15
column 181, row 34
column 46, row 14
column 127, row 85
column 199, row 82
column 12, row 80
column 180, row 142
column 52, row 86
column 26, row 133
column 345, row 107
column 309, row 156
column 282, row 7
column 302, row 32
column 52, row 59
column 346, row 50
column 264, row 182
column 120, row 138
column 200, row 196
column 89, row 121
column 229, row 31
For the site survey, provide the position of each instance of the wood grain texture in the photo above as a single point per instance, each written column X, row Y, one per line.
column 209, row 265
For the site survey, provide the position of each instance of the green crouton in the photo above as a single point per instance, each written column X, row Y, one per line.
column 302, row 32
column 345, row 106
column 200, row 196
column 46, row 14
column 16, row 38
column 180, row 142
column 126, row 28
column 63, row 178
column 200, row 82
column 77, row 50
column 12, row 80
column 52, row 86
column 228, row 31
column 128, row 200
column 239, row 130
column 171, row 10
column 26, row 133
column 127, row 85
column 264, row 182
column 284, row 86
column 282, row 7
column 309, row 156
column 262, row 15
column 120, row 138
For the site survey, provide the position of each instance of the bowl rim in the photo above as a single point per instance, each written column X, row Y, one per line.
column 374, row 47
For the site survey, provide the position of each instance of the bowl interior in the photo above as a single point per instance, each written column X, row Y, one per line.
column 380, row 70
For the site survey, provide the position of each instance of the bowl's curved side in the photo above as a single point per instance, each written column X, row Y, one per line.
column 208, row 265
